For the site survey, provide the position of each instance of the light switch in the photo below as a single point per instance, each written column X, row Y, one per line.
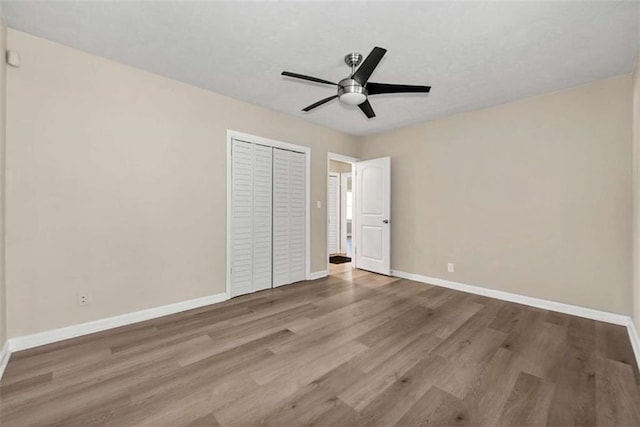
column 318, row 204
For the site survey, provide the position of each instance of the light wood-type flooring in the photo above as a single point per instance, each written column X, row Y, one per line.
column 352, row 349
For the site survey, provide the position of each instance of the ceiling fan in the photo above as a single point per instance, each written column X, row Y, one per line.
column 355, row 89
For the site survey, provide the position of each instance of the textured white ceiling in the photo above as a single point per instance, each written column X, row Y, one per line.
column 472, row 54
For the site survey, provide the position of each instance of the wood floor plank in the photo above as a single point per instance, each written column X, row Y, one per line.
column 528, row 404
column 14, row 387
column 436, row 408
column 574, row 399
column 210, row 369
column 617, row 396
column 408, row 321
column 394, row 402
column 352, row 349
column 541, row 345
column 313, row 403
column 506, row 318
column 336, row 333
column 466, row 333
column 52, row 401
column 253, row 407
column 362, row 392
column 390, row 341
column 612, row 342
column 465, row 365
column 345, row 298
column 22, row 369
column 303, row 371
column 208, row 420
column 487, row 396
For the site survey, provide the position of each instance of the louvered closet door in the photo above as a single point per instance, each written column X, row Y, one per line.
column 251, row 218
column 281, row 202
column 262, row 216
column 297, row 220
column 242, row 218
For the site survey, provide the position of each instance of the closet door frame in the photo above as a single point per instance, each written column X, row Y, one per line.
column 234, row 135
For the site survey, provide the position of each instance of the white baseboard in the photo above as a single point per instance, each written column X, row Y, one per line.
column 318, row 275
column 589, row 313
column 54, row 335
column 5, row 354
column 635, row 340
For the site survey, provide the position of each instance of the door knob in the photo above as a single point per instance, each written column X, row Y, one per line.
column 386, row 221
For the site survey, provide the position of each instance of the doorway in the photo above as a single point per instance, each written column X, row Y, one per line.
column 340, row 213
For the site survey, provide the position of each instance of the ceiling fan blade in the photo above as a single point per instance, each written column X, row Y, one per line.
column 367, row 109
column 311, row 79
column 319, row 103
column 370, row 63
column 378, row 88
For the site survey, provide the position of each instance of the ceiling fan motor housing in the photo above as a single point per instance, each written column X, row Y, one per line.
column 351, row 92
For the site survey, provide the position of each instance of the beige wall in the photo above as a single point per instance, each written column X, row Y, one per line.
column 117, row 185
column 3, row 300
column 531, row 197
column 636, row 194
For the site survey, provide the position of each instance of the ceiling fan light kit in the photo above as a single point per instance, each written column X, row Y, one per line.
column 356, row 88
column 351, row 92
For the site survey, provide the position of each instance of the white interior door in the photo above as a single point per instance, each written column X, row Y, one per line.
column 373, row 219
column 333, row 213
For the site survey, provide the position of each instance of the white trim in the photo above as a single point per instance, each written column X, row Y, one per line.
column 635, row 340
column 5, row 354
column 232, row 134
column 344, row 180
column 589, row 313
column 228, row 216
column 342, row 158
column 60, row 334
column 308, row 211
column 353, row 161
column 318, row 275
column 338, row 200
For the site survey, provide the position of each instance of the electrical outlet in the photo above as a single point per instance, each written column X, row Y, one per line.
column 450, row 267
column 83, row 299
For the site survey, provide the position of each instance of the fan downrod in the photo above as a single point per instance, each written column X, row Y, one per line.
column 353, row 59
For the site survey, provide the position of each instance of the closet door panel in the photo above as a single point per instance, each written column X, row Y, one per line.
column 281, row 199
column 297, row 218
column 242, row 220
column 262, row 216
